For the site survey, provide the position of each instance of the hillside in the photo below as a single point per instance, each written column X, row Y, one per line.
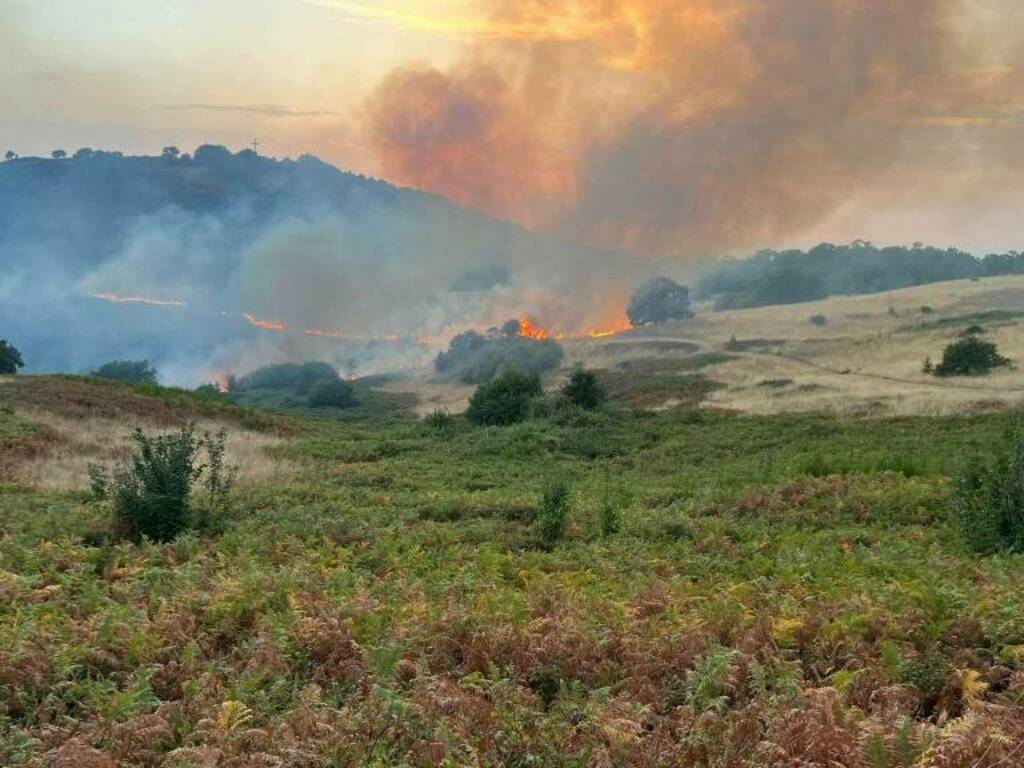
column 215, row 252
column 729, row 590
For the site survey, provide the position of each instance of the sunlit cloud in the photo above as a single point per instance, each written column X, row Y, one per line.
column 450, row 18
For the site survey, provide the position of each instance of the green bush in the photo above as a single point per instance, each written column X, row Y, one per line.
column 584, row 389
column 505, row 400
column 475, row 358
column 970, row 357
column 299, row 378
column 819, row 321
column 151, row 494
column 332, row 393
column 439, row 420
column 988, row 501
column 128, row 371
column 553, row 516
column 609, row 512
column 10, row 358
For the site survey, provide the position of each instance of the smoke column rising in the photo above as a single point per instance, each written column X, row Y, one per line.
column 689, row 127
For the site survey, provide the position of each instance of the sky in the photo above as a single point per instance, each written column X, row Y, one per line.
column 672, row 129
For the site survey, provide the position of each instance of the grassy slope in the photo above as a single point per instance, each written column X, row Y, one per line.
column 866, row 359
column 782, row 587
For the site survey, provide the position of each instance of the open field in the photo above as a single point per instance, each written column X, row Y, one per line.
column 782, row 591
column 866, row 360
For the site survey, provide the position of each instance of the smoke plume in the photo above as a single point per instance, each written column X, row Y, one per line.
column 689, row 127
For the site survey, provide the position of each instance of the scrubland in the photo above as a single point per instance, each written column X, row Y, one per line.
column 782, row 590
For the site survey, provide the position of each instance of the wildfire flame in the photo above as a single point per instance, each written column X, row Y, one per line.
column 529, row 331
column 116, row 299
column 266, row 325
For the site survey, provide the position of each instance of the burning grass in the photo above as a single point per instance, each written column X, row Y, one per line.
column 782, row 591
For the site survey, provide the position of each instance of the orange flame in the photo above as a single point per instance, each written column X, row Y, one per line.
column 264, row 324
column 529, row 331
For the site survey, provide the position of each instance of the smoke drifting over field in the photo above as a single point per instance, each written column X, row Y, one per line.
column 685, row 127
column 225, row 262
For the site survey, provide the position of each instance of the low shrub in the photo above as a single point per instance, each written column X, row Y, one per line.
column 476, row 358
column 151, row 494
column 818, row 320
column 439, row 420
column 299, row 378
column 988, row 501
column 553, row 515
column 332, row 393
column 970, row 356
column 584, row 389
column 608, row 516
column 128, row 371
column 505, row 400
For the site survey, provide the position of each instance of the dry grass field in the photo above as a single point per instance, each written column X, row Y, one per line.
column 71, row 424
column 865, row 360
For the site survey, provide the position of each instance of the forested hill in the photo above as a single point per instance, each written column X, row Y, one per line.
column 790, row 276
column 220, row 234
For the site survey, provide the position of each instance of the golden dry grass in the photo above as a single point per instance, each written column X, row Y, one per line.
column 866, row 361
column 83, row 441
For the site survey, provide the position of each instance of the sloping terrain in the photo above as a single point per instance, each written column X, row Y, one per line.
column 729, row 590
column 865, row 359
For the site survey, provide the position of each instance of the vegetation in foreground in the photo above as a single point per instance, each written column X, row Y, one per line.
column 624, row 587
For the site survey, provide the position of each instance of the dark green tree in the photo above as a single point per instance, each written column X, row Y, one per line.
column 970, row 356
column 10, row 358
column 584, row 389
column 128, row 371
column 332, row 393
column 505, row 400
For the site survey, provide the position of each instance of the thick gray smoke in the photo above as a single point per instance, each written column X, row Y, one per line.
column 224, row 262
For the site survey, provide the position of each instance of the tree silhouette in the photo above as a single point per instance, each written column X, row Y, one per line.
column 10, row 155
column 10, row 358
column 58, row 154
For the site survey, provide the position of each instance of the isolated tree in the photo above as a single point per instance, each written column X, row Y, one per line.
column 505, row 400
column 970, row 357
column 170, row 153
column 84, row 153
column 584, row 389
column 658, row 301
column 10, row 358
column 58, row 154
column 128, row 371
column 10, row 154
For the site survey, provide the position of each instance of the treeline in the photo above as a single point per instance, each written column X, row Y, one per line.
column 792, row 276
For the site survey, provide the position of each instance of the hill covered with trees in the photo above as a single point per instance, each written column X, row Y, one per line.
column 793, row 276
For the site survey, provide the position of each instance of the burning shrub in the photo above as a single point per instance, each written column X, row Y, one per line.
column 151, row 494
column 505, row 400
column 475, row 358
column 970, row 357
column 332, row 393
column 10, row 358
column 128, row 371
column 298, row 378
column 584, row 389
column 658, row 301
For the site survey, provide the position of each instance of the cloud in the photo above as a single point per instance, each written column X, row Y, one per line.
column 268, row 110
